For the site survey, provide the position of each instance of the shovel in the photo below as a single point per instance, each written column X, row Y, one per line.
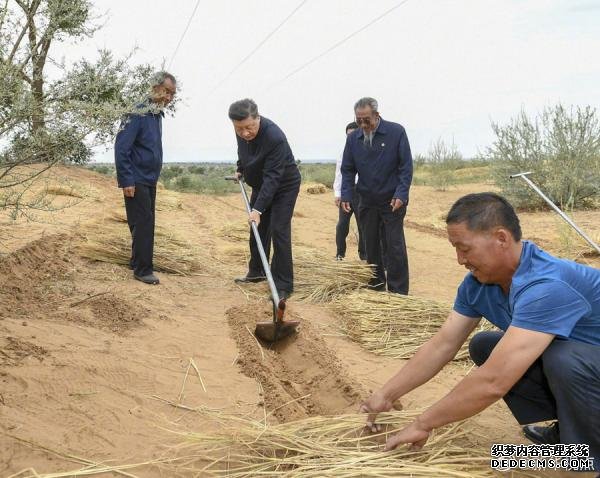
column 556, row 208
column 279, row 328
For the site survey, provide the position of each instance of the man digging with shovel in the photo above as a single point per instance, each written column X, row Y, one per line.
column 265, row 161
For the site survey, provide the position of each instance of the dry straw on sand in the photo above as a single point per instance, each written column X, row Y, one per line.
column 319, row 278
column 309, row 448
column 110, row 241
column 329, row 446
column 234, row 231
column 393, row 325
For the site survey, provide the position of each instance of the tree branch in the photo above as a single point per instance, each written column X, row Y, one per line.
column 17, row 44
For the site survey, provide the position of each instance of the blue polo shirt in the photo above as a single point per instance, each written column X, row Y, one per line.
column 547, row 294
column 384, row 167
column 138, row 148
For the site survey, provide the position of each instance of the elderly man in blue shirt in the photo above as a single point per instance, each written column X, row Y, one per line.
column 545, row 360
column 138, row 161
column 380, row 153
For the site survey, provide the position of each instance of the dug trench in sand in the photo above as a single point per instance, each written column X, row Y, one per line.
column 300, row 376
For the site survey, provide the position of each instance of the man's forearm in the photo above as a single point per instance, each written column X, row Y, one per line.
column 423, row 366
column 473, row 394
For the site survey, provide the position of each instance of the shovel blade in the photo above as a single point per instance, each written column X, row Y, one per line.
column 271, row 331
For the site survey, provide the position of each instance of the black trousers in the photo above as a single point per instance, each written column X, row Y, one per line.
column 380, row 220
column 276, row 226
column 140, row 211
column 343, row 227
column 563, row 384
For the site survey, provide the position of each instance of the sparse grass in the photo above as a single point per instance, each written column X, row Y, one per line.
column 442, row 176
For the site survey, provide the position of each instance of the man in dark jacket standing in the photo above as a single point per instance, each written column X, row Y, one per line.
column 138, row 161
column 266, row 163
column 380, row 153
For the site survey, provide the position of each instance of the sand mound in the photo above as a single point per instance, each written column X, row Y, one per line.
column 41, row 281
column 300, row 377
column 107, row 312
column 29, row 276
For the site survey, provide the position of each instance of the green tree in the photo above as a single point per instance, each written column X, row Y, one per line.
column 59, row 117
column 444, row 161
column 560, row 146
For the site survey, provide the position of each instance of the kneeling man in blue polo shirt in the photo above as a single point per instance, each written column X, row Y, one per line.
column 545, row 360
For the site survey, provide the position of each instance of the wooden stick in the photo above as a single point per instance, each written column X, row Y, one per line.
column 74, row 304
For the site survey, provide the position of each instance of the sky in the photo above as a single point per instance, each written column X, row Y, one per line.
column 444, row 69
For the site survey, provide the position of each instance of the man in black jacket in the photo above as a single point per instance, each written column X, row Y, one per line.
column 266, row 163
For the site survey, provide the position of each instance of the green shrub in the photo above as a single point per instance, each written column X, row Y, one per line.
column 561, row 147
column 322, row 173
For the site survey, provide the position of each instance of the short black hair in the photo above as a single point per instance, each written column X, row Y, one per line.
column 485, row 211
column 242, row 109
column 353, row 125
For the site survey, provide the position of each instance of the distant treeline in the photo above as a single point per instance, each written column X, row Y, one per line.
column 208, row 178
column 560, row 146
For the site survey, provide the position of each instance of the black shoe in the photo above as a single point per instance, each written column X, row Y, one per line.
column 542, row 435
column 374, row 284
column 249, row 279
column 147, row 279
column 339, row 257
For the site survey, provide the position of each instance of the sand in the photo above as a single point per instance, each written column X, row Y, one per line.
column 93, row 364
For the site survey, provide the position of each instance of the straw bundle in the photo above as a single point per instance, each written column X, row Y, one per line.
column 110, row 241
column 234, row 231
column 331, row 446
column 62, row 190
column 321, row 279
column 316, row 189
column 232, row 254
column 168, row 201
column 392, row 325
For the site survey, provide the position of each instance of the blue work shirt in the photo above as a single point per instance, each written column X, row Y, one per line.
column 384, row 168
column 547, row 294
column 138, row 148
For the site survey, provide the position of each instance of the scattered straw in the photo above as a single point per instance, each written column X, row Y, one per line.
column 184, row 380
column 262, row 354
column 198, row 372
column 93, row 296
column 91, row 467
column 331, row 446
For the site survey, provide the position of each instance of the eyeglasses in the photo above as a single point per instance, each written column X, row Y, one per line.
column 366, row 120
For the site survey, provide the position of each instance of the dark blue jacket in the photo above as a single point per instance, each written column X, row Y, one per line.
column 384, row 169
column 266, row 162
column 138, row 149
